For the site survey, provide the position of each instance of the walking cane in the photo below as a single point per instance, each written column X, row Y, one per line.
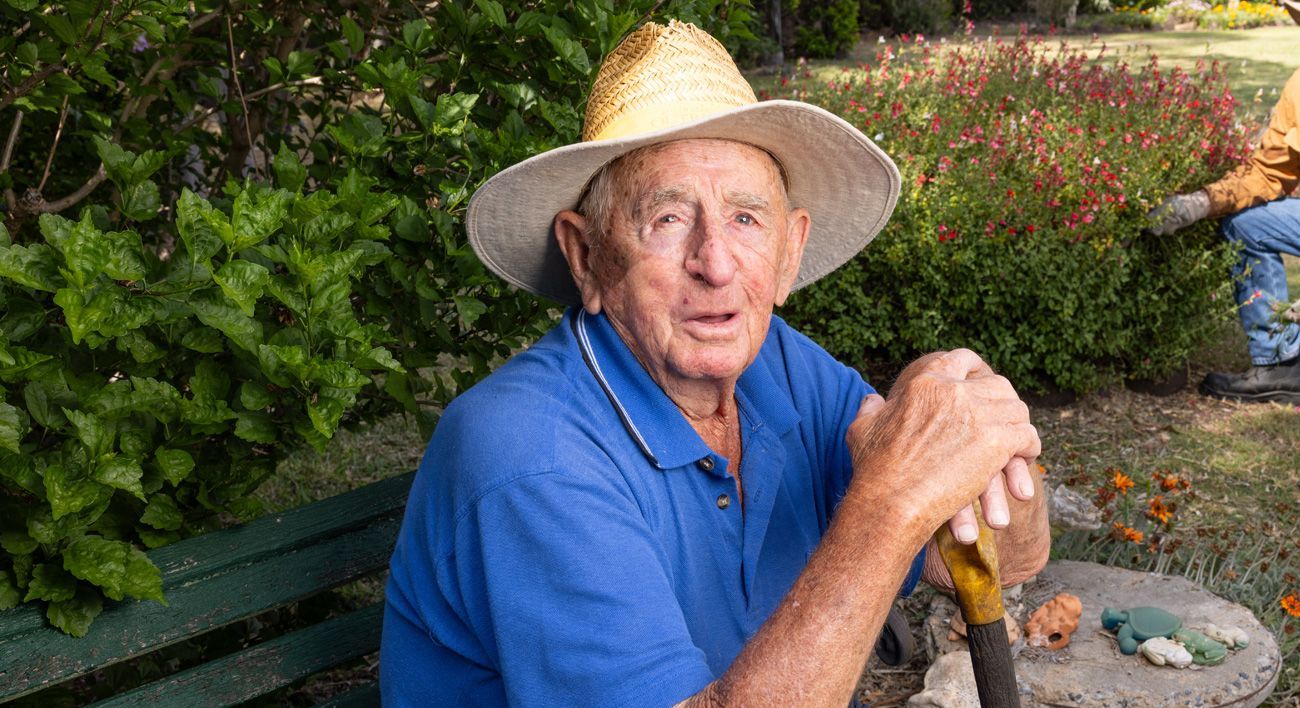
column 974, row 570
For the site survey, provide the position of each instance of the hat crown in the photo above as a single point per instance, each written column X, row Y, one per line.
column 660, row 76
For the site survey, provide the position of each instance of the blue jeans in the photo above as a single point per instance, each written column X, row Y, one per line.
column 1265, row 232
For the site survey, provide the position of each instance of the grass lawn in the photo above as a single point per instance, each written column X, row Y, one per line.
column 1239, row 526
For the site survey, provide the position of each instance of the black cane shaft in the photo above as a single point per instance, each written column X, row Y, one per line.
column 995, row 678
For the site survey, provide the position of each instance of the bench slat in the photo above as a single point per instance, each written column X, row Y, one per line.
column 263, row 668
column 213, row 580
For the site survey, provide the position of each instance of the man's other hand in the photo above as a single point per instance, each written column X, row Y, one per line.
column 1178, row 211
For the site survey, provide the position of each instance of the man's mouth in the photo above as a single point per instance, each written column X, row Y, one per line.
column 715, row 319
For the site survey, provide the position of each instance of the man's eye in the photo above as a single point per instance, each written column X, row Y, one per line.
column 669, row 219
column 745, row 219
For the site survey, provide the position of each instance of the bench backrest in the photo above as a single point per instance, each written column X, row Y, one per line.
column 219, row 578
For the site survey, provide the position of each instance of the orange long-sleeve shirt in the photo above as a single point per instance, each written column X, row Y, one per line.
column 1273, row 169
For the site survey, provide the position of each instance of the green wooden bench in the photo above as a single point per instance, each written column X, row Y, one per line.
column 220, row 578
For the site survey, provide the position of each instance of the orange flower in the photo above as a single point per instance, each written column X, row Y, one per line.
column 1170, row 482
column 1291, row 604
column 1121, row 482
column 1158, row 511
column 1128, row 533
column 1041, row 469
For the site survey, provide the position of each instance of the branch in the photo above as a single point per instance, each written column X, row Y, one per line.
column 81, row 193
column 234, row 74
column 32, row 81
column 11, row 201
column 309, row 81
column 58, row 133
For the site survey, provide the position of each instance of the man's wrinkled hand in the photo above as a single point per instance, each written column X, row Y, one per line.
column 950, row 431
column 1179, row 211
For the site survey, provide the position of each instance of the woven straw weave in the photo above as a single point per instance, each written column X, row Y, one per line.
column 658, row 66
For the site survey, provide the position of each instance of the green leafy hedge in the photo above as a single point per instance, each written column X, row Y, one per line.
column 232, row 228
column 1027, row 175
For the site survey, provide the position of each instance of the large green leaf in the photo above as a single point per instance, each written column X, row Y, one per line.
column 218, row 313
column 162, row 513
column 50, row 583
column 202, row 227
column 175, row 464
column 126, row 168
column 289, row 171
column 32, row 266
column 117, row 567
column 10, row 596
column 13, row 426
column 121, row 473
column 91, row 431
column 255, row 427
column 125, row 256
column 68, row 493
column 74, row 616
column 255, row 217
column 86, row 251
column 243, row 282
column 141, row 201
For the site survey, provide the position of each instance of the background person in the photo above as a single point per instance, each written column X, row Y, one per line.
column 1263, row 217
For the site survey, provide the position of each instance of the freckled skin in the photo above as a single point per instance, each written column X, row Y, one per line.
column 700, row 248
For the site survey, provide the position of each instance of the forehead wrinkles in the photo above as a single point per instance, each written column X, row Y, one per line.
column 634, row 176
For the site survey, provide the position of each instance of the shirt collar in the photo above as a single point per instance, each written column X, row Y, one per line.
column 649, row 416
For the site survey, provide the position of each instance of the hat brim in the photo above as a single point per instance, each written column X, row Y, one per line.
column 848, row 185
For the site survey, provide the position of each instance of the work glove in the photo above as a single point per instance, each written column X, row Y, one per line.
column 1178, row 211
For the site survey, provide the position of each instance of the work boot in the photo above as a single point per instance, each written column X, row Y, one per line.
column 1276, row 382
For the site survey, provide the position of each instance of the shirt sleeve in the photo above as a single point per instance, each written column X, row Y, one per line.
column 1274, row 168
column 559, row 571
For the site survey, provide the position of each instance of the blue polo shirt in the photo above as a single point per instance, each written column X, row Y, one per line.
column 571, row 540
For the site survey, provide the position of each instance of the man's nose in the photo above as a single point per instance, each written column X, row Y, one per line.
column 712, row 260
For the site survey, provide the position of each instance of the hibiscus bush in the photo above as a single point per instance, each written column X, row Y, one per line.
column 231, row 228
column 1027, row 173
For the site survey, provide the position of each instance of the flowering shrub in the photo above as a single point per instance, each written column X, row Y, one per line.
column 1027, row 176
column 1244, row 15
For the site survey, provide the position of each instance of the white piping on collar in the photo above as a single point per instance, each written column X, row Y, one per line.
column 589, row 356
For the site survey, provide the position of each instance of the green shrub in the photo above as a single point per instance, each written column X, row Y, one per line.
column 826, row 29
column 1027, row 175
column 171, row 324
column 925, row 16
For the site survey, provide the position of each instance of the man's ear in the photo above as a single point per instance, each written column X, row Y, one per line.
column 571, row 234
column 798, row 222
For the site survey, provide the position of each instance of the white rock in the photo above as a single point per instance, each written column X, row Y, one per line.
column 1231, row 637
column 1071, row 511
column 949, row 683
column 1163, row 651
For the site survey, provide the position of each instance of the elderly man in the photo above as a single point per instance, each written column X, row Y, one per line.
column 673, row 497
column 1263, row 218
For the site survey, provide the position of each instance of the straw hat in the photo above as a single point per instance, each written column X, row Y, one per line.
column 1292, row 8
column 676, row 82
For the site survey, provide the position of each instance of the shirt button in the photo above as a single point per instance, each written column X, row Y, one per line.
column 724, row 501
column 706, row 464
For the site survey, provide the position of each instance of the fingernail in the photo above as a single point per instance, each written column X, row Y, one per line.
column 998, row 517
column 966, row 533
column 1026, row 488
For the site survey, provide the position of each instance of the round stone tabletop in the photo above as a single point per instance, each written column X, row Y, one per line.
column 1091, row 671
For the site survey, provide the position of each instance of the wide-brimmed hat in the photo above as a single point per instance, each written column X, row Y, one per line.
column 1293, row 9
column 675, row 82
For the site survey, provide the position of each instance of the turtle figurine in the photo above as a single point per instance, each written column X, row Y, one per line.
column 1139, row 624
